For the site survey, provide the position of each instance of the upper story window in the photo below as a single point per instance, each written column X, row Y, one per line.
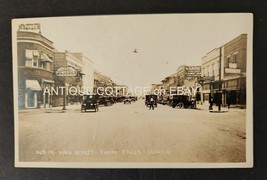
column 35, row 58
column 228, row 60
column 213, row 70
column 32, row 58
column 234, row 58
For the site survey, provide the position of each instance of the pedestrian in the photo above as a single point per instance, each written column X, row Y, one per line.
column 228, row 99
column 151, row 103
column 211, row 102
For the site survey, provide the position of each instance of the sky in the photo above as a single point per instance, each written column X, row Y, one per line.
column 163, row 41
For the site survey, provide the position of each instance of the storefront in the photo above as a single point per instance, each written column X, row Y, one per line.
column 33, row 88
column 35, row 69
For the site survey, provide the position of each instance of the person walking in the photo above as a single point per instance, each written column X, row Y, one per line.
column 151, row 103
column 228, row 100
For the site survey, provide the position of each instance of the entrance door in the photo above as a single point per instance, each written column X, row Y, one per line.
column 31, row 99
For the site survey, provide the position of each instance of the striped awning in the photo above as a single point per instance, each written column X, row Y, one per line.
column 33, row 85
column 44, row 57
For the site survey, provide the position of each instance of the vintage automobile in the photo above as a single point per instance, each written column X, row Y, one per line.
column 163, row 99
column 127, row 101
column 119, row 99
column 90, row 102
column 105, row 100
column 133, row 98
column 148, row 97
column 183, row 101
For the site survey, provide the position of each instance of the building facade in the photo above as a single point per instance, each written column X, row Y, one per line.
column 101, row 80
column 35, row 54
column 210, row 71
column 68, row 59
column 188, row 75
column 169, row 82
column 223, row 71
column 234, row 71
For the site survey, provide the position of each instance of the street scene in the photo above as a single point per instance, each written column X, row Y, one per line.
column 132, row 133
column 143, row 88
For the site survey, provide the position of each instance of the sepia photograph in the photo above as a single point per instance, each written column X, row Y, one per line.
column 133, row 91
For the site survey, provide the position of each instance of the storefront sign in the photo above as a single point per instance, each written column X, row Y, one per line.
column 232, row 71
column 66, row 71
column 192, row 72
column 35, row 26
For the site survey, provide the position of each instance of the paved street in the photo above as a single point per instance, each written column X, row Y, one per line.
column 132, row 132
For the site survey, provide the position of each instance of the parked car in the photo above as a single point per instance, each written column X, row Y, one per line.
column 133, row 98
column 183, row 101
column 105, row 100
column 148, row 97
column 163, row 99
column 119, row 99
column 90, row 102
column 127, row 101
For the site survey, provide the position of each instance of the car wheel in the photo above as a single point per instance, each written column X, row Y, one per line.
column 180, row 105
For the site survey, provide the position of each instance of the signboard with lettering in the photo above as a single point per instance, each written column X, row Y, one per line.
column 66, row 71
column 232, row 71
column 192, row 72
column 30, row 27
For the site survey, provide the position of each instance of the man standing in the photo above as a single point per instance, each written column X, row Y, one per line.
column 151, row 103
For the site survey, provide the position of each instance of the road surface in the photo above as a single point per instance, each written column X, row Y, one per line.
column 132, row 133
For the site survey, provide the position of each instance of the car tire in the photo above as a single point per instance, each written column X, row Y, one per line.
column 180, row 105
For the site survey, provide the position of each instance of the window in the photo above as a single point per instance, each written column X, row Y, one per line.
column 32, row 58
column 35, row 61
column 235, row 58
column 228, row 60
column 213, row 70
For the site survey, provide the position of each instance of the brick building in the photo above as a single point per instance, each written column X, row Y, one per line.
column 101, row 80
column 226, row 67
column 35, row 54
column 168, row 82
column 234, row 71
column 68, row 59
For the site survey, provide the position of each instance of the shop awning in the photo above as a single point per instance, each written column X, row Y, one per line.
column 33, row 85
column 44, row 57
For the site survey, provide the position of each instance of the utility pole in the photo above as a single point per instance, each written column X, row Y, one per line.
column 220, row 83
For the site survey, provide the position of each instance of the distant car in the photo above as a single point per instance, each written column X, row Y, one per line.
column 127, row 101
column 183, row 101
column 90, row 102
column 133, row 98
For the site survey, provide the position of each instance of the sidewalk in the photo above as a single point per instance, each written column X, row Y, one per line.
column 57, row 109
column 215, row 108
